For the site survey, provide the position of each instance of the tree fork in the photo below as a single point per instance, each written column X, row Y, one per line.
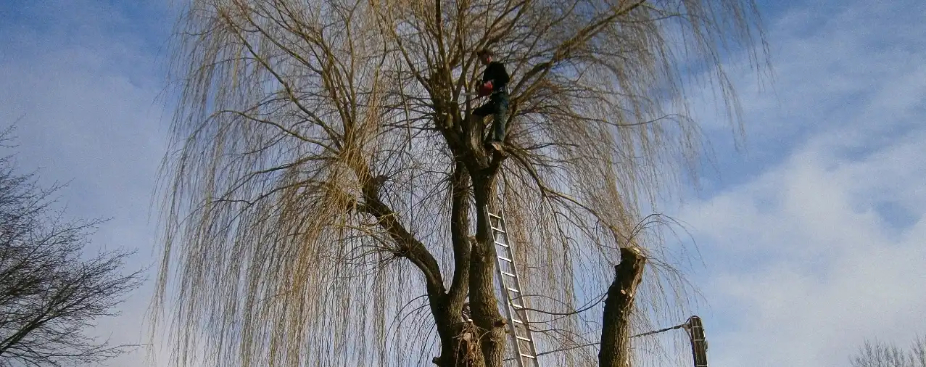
column 615, row 336
column 455, row 343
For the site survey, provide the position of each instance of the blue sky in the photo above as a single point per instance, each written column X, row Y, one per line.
column 812, row 238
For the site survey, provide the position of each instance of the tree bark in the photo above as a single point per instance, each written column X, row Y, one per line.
column 474, row 258
column 483, row 302
column 457, row 340
column 458, row 337
column 615, row 336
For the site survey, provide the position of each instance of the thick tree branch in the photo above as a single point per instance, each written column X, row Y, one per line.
column 409, row 246
column 459, row 223
column 615, row 336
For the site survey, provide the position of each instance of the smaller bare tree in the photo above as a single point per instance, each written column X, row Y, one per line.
column 879, row 354
column 50, row 293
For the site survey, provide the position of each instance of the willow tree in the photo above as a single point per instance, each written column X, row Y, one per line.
column 329, row 193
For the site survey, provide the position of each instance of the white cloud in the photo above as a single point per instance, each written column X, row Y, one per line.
column 821, row 244
column 809, row 264
column 85, row 82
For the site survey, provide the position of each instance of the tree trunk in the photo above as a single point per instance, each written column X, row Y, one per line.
column 615, row 336
column 459, row 346
column 483, row 302
column 459, row 339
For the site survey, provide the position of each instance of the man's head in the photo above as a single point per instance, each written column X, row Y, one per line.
column 485, row 56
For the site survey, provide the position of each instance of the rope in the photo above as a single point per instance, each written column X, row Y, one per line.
column 679, row 326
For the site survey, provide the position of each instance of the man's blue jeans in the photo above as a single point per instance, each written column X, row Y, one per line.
column 498, row 108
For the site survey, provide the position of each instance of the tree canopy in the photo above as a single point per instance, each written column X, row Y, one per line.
column 327, row 193
column 51, row 289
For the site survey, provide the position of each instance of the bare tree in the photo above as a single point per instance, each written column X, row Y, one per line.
column 879, row 354
column 50, row 292
column 328, row 193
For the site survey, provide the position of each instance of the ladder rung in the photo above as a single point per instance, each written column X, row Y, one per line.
column 500, row 237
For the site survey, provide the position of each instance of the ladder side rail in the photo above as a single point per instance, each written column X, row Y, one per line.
column 510, row 312
column 521, row 313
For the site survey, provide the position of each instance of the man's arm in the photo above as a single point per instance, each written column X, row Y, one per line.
column 487, row 85
column 502, row 77
column 493, row 78
column 487, row 75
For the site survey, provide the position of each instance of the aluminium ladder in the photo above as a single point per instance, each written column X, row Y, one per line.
column 510, row 284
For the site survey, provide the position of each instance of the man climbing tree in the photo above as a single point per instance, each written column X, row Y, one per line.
column 494, row 84
column 328, row 197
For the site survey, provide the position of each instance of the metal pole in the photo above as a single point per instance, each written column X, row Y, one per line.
column 698, row 342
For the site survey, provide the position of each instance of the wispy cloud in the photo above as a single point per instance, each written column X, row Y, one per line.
column 816, row 241
column 84, row 77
